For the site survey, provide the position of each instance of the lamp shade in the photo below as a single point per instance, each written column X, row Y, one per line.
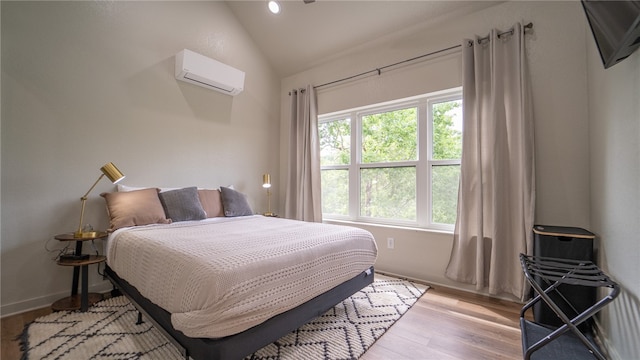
column 266, row 181
column 112, row 172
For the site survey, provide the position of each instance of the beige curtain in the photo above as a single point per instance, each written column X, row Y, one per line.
column 496, row 200
column 303, row 200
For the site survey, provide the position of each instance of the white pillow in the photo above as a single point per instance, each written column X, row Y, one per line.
column 125, row 188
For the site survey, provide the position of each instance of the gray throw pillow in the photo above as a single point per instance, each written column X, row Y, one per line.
column 182, row 204
column 234, row 203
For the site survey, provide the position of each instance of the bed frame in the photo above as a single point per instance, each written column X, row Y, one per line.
column 239, row 345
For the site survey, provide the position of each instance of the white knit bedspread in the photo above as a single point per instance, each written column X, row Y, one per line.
column 221, row 276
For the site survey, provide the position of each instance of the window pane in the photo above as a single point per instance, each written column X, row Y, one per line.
column 390, row 136
column 335, row 142
column 444, row 192
column 388, row 193
column 447, row 130
column 335, row 191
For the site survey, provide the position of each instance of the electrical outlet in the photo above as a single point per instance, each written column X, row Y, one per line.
column 390, row 243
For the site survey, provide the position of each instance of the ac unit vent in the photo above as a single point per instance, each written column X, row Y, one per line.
column 200, row 70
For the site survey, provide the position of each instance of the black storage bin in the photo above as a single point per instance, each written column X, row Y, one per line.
column 564, row 243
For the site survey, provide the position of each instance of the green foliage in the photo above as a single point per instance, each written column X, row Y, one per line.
column 444, row 193
column 390, row 192
column 335, row 142
column 390, row 136
column 447, row 145
column 335, row 191
column 447, row 140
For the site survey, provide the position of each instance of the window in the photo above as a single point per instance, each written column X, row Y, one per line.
column 394, row 163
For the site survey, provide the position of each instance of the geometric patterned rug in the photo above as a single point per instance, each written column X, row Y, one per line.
column 108, row 330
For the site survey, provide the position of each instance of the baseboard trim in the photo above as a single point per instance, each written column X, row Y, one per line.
column 603, row 342
column 44, row 301
column 449, row 286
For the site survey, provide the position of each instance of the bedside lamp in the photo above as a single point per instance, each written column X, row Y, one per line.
column 266, row 183
column 109, row 170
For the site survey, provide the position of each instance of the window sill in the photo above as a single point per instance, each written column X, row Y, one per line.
column 410, row 228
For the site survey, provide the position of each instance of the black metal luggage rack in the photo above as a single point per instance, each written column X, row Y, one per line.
column 566, row 341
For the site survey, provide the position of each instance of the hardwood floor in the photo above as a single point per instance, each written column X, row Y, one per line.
column 448, row 324
column 444, row 324
column 12, row 327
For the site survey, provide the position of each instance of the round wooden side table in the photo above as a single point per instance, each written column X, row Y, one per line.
column 79, row 261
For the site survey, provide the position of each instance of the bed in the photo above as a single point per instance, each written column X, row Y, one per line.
column 223, row 287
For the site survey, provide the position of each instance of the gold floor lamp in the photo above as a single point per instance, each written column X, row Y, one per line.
column 266, row 183
column 109, row 170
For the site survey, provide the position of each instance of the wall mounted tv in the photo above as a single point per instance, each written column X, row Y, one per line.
column 615, row 26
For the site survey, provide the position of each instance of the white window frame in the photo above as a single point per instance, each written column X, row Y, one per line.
column 424, row 163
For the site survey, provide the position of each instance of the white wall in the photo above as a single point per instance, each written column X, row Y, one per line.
column 587, row 140
column 614, row 122
column 84, row 83
column 555, row 49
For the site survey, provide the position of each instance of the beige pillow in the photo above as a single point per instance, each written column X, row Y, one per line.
column 211, row 202
column 133, row 208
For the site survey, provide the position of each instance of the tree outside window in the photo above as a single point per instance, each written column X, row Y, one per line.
column 374, row 155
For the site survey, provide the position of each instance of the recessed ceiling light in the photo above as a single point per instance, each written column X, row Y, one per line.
column 274, row 7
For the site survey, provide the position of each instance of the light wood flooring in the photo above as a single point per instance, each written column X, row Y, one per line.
column 448, row 324
column 444, row 324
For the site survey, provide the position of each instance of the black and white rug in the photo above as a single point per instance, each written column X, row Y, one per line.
column 108, row 330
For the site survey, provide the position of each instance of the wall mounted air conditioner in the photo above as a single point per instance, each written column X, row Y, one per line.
column 209, row 73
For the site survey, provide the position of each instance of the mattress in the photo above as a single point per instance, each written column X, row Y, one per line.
column 221, row 276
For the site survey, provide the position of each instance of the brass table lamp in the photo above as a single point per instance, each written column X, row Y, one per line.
column 109, row 170
column 266, row 183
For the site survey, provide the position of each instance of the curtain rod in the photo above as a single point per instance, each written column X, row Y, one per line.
column 510, row 32
column 379, row 70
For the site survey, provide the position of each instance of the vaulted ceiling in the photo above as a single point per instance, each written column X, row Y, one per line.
column 303, row 35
